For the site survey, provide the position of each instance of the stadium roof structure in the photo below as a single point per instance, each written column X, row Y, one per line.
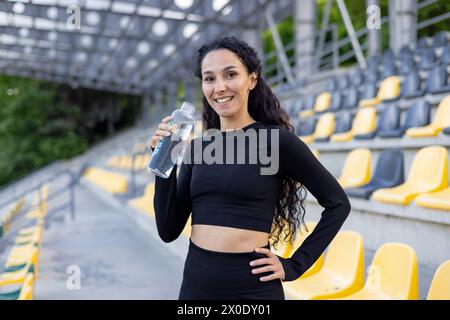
column 127, row 46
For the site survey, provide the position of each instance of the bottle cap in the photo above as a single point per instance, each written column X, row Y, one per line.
column 188, row 107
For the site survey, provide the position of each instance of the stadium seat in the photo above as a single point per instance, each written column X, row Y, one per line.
column 373, row 62
column 332, row 84
column 145, row 203
column 306, row 129
column 440, row 285
column 423, row 44
column 437, row 80
column 417, row 115
column 388, row 173
column 343, row 81
column 342, row 272
column 441, row 120
column 16, row 277
column 307, row 106
column 389, row 123
column 389, row 91
column 368, row 91
column 439, row 200
column 445, row 57
column 356, row 170
column 411, row 87
column 323, row 102
column 422, row 177
column 389, row 69
column 336, row 101
column 441, row 39
column 343, row 123
column 324, row 127
column 357, row 78
column 108, row 181
column 407, row 64
column 363, row 126
column 25, row 292
column 393, row 275
column 351, row 98
column 289, row 249
column 427, row 59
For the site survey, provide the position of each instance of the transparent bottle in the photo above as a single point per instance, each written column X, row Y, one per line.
column 170, row 149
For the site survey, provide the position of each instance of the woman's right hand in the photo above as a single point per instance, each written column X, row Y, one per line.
column 164, row 130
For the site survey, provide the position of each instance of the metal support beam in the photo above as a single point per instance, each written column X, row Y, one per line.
column 323, row 28
column 351, row 32
column 279, row 45
column 305, row 36
column 373, row 35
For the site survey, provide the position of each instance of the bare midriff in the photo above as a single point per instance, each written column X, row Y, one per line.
column 227, row 239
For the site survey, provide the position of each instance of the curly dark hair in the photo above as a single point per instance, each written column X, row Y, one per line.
column 263, row 106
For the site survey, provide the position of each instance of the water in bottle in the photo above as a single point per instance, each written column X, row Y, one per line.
column 170, row 149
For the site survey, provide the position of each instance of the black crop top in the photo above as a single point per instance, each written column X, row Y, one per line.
column 238, row 194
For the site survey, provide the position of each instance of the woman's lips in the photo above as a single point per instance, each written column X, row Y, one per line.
column 221, row 104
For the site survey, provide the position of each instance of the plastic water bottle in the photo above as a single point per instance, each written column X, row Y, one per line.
column 168, row 151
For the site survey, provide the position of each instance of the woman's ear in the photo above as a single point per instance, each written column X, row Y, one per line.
column 254, row 80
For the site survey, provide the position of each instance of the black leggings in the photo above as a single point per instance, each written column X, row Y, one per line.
column 225, row 275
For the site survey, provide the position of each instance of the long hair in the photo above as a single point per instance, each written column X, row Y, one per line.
column 263, row 106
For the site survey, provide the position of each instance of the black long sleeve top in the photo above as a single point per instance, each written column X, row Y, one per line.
column 238, row 195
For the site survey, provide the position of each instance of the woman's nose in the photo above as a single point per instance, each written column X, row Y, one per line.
column 220, row 85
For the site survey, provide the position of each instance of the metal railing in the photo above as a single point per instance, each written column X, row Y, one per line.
column 58, row 189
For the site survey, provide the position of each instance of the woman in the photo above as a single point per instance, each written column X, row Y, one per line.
column 236, row 211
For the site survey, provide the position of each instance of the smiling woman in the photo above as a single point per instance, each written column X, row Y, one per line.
column 238, row 212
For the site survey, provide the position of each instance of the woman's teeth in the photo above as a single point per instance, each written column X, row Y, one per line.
column 223, row 100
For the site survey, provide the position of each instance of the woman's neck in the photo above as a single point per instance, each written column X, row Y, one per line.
column 229, row 124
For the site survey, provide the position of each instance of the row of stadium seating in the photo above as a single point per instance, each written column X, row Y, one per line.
column 17, row 281
column 416, row 123
column 427, row 186
column 10, row 216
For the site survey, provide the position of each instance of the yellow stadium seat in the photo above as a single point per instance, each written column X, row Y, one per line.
column 389, row 89
column 325, row 126
column 342, row 272
column 19, row 262
column 393, row 275
column 364, row 123
column 323, row 102
column 439, row 200
column 187, row 228
column 307, row 139
column 441, row 120
column 440, row 285
column 108, row 181
column 422, row 178
column 356, row 171
column 306, row 113
column 145, row 203
column 289, row 249
column 27, row 289
column 25, row 292
column 15, row 277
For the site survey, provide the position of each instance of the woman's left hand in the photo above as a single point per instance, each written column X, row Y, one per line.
column 271, row 263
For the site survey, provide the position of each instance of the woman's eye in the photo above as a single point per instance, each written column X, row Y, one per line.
column 231, row 74
column 208, row 79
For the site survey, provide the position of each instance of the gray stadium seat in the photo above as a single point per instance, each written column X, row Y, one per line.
column 388, row 173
